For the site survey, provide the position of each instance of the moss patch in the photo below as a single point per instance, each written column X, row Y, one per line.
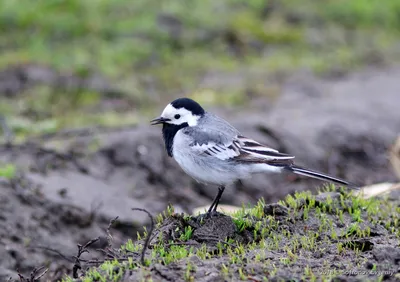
column 332, row 234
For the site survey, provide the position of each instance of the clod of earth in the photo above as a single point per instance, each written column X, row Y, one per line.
column 334, row 235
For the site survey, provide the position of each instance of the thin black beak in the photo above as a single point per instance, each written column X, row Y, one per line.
column 159, row 120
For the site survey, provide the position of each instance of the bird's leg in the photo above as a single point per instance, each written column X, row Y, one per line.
column 221, row 190
column 214, row 205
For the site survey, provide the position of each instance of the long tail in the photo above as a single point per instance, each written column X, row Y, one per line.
column 320, row 176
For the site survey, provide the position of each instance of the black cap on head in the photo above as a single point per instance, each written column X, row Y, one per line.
column 189, row 105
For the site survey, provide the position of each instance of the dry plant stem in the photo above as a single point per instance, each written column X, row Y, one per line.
column 34, row 275
column 147, row 241
column 81, row 250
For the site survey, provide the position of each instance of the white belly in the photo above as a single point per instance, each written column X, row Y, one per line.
column 204, row 170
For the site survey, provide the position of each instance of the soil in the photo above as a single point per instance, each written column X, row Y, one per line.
column 68, row 188
column 362, row 258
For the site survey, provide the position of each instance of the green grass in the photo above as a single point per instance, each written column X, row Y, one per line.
column 151, row 50
column 8, row 171
column 287, row 246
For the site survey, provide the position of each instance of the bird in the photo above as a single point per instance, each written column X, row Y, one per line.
column 212, row 151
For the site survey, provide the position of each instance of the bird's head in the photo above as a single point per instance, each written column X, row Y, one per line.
column 181, row 112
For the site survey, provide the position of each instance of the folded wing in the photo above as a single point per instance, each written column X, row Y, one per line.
column 213, row 143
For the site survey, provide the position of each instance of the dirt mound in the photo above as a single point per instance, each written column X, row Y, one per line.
column 330, row 236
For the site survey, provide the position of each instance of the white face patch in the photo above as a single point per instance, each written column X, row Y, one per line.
column 179, row 116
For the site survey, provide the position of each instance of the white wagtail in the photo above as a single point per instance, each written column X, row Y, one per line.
column 212, row 151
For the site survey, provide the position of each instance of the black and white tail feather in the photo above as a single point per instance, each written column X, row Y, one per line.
column 286, row 161
column 319, row 175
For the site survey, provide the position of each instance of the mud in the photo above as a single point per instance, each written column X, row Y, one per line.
column 69, row 188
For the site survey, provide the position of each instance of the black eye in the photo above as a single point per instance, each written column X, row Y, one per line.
column 177, row 116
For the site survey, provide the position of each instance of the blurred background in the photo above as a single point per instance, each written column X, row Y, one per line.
column 67, row 64
column 79, row 81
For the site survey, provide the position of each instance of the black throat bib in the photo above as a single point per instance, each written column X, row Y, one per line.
column 169, row 131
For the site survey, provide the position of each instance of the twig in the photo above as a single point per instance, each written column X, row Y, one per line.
column 109, row 236
column 146, row 242
column 81, row 250
column 34, row 275
column 35, row 271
